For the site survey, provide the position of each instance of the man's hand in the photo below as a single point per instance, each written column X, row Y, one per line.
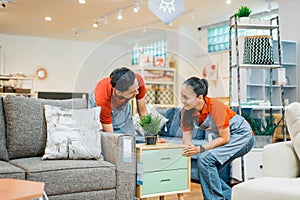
column 190, row 150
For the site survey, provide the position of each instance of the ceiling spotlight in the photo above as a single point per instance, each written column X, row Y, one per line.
column 120, row 17
column 48, row 19
column 3, row 5
column 104, row 20
column 82, row 1
column 95, row 24
column 228, row 2
column 137, row 7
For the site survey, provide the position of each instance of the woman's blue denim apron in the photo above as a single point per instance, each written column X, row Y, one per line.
column 122, row 117
column 240, row 134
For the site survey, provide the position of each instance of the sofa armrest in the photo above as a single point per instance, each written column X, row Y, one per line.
column 280, row 160
column 119, row 149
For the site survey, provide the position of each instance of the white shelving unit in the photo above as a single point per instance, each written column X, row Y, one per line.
column 19, row 86
column 254, row 86
column 160, row 83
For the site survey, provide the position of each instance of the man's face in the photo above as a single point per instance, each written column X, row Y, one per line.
column 132, row 91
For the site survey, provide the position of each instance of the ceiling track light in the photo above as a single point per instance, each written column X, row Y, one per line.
column 82, row 1
column 137, row 7
column 120, row 17
column 228, row 2
column 104, row 20
column 95, row 24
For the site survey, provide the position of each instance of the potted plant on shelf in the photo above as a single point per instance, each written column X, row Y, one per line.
column 263, row 129
column 243, row 14
column 150, row 125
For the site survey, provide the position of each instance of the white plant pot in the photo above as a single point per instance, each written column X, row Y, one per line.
column 244, row 20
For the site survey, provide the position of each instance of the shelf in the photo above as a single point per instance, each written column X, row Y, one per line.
column 258, row 107
column 248, row 66
column 254, row 26
column 159, row 82
column 17, row 94
column 139, row 68
column 17, row 78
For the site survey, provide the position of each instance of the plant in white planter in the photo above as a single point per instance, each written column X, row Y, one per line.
column 263, row 130
column 243, row 14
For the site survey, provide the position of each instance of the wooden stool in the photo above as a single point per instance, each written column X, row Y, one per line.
column 21, row 189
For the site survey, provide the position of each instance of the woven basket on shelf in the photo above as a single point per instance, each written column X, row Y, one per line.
column 259, row 50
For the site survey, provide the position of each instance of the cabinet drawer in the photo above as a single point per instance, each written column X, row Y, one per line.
column 166, row 159
column 165, row 181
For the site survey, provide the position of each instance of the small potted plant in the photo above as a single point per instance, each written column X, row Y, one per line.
column 150, row 124
column 243, row 14
column 263, row 130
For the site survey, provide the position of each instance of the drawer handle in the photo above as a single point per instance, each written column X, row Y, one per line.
column 165, row 181
column 165, row 159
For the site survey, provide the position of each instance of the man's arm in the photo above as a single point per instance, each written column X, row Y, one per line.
column 108, row 128
column 141, row 107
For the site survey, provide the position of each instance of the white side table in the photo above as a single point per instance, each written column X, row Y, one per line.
column 253, row 165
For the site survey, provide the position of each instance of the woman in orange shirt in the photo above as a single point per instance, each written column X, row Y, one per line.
column 231, row 136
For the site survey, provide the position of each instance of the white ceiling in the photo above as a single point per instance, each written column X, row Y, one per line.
column 26, row 17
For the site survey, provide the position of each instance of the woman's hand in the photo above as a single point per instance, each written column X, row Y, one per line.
column 190, row 150
column 161, row 140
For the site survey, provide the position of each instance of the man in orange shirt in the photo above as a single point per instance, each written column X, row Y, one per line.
column 113, row 95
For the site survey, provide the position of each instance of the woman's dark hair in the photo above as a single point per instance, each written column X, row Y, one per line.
column 199, row 86
column 122, row 78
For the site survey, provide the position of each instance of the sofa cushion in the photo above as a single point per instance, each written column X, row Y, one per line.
column 73, row 133
column 10, row 171
column 69, row 176
column 152, row 110
column 3, row 150
column 293, row 120
column 25, row 124
column 172, row 127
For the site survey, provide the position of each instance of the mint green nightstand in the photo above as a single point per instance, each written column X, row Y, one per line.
column 163, row 170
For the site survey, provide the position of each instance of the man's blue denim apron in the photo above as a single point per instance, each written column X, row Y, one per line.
column 122, row 117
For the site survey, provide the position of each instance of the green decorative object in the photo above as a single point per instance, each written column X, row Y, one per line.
column 150, row 125
column 243, row 11
column 260, row 127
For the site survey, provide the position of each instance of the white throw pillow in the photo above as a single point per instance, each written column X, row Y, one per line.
column 151, row 110
column 73, row 133
column 292, row 116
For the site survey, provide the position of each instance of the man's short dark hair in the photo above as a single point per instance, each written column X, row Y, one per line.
column 122, row 78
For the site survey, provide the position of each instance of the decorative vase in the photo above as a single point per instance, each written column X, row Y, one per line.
column 261, row 140
column 151, row 139
column 244, row 20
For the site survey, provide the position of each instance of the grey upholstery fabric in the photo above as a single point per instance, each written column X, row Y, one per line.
column 25, row 124
column 126, row 169
column 69, row 176
column 95, row 195
column 10, row 171
column 3, row 150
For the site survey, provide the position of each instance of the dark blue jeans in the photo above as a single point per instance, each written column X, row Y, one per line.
column 214, row 187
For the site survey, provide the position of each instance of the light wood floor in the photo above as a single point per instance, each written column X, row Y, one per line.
column 195, row 194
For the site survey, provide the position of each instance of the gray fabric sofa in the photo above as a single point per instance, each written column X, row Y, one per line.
column 22, row 144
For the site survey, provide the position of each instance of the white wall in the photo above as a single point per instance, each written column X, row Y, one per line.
column 61, row 58
column 193, row 44
column 289, row 25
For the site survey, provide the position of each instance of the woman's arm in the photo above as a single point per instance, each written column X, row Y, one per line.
column 190, row 149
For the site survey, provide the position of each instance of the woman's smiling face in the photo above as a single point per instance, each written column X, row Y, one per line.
column 188, row 97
